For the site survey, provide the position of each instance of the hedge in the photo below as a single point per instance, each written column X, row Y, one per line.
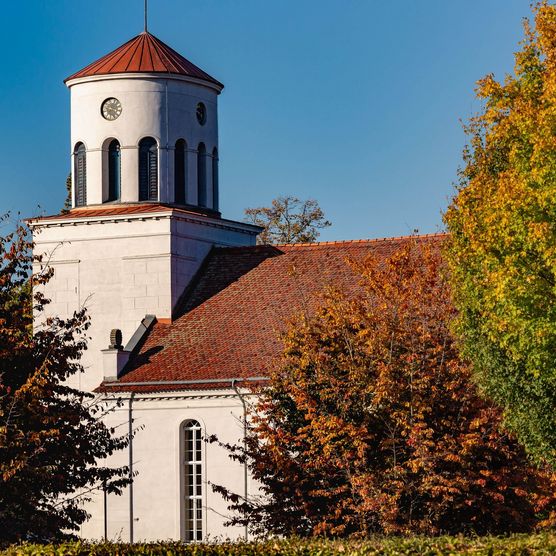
column 542, row 543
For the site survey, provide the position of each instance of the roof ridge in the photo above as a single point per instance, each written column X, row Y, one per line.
column 364, row 240
column 341, row 241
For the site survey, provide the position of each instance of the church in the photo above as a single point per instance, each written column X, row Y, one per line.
column 186, row 309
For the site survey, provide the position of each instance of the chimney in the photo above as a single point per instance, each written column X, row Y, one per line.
column 115, row 358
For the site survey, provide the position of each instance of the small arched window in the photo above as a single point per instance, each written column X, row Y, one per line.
column 215, row 178
column 193, row 474
column 114, row 171
column 80, row 174
column 202, row 175
column 148, row 170
column 180, row 172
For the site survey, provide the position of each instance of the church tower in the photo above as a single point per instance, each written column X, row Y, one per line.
column 144, row 127
column 145, row 193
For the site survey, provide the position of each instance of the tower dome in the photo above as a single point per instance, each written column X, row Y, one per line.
column 145, row 53
column 144, row 128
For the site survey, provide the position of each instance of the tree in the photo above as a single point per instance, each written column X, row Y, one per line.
column 288, row 220
column 67, row 202
column 51, row 435
column 503, row 240
column 371, row 422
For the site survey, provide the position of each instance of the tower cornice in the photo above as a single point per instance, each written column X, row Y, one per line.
column 218, row 87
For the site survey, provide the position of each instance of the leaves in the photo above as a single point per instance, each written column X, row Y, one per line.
column 371, row 422
column 502, row 247
column 50, row 436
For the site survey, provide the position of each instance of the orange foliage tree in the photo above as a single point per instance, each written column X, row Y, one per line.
column 371, row 423
column 52, row 437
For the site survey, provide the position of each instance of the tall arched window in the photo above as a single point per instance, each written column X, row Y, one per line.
column 80, row 174
column 193, row 483
column 215, row 178
column 148, row 170
column 114, row 171
column 202, row 175
column 180, row 172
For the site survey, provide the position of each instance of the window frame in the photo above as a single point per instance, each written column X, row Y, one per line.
column 215, row 178
column 148, row 189
column 80, row 174
column 180, row 172
column 114, row 172
column 193, row 484
column 202, row 176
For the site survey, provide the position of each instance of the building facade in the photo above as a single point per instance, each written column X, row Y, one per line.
column 186, row 310
column 145, row 214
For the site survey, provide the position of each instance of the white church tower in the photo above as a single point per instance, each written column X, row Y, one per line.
column 145, row 214
column 145, row 194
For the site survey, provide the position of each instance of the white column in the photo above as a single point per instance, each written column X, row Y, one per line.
column 130, row 174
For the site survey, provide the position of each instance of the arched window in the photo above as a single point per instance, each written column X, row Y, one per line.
column 180, row 172
column 215, row 178
column 202, row 175
column 193, row 481
column 80, row 174
column 114, row 171
column 148, row 170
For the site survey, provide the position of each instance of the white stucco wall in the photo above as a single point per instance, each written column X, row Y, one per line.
column 123, row 268
column 152, row 106
column 158, row 489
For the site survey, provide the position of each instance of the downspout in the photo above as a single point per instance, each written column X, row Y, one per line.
column 245, row 470
column 130, row 416
column 105, row 511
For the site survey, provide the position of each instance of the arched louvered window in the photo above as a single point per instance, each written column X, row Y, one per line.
column 148, row 170
column 180, row 172
column 80, row 174
column 215, row 178
column 114, row 171
column 193, row 474
column 202, row 175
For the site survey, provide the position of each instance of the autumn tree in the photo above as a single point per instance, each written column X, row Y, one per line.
column 371, row 423
column 288, row 220
column 502, row 251
column 51, row 435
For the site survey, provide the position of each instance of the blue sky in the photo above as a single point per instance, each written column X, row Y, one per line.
column 356, row 103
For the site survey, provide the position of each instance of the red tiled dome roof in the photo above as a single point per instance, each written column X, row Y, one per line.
column 144, row 54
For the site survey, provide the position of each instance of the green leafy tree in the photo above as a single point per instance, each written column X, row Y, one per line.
column 371, row 424
column 502, row 249
column 51, row 435
column 288, row 220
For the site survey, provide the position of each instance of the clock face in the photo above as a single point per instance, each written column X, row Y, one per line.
column 111, row 109
column 201, row 113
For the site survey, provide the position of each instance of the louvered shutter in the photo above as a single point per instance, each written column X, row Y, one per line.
column 180, row 172
column 148, row 170
column 202, row 175
column 80, row 176
column 114, row 171
column 153, row 174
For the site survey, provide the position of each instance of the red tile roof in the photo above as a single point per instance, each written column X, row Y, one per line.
column 94, row 211
column 144, row 54
column 230, row 317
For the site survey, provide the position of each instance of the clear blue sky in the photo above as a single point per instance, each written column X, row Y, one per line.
column 356, row 103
